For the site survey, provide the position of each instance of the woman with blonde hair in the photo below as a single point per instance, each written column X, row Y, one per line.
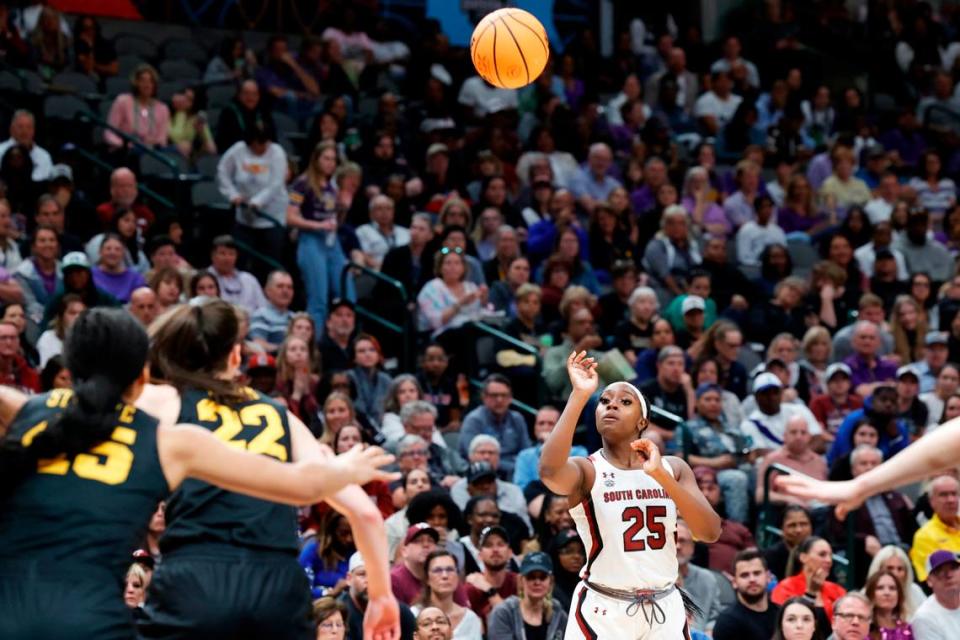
column 669, row 257
column 816, row 350
column 135, row 586
column 454, row 212
column 338, row 411
column 908, row 326
column 533, row 608
column 894, row 560
column 139, row 113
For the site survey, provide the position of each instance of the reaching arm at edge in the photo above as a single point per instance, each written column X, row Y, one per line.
column 11, row 401
column 187, row 450
column 933, row 452
column 682, row 488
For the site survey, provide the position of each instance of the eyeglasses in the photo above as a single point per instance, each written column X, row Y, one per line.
column 414, row 452
column 851, row 617
column 439, row 571
column 332, row 626
column 456, row 250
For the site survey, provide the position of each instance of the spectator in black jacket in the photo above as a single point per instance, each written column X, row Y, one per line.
column 245, row 112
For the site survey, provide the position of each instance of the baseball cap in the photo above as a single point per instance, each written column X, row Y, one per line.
column 693, row 303
column 908, row 370
column 703, row 472
column 356, row 562
column 418, row 529
column 225, row 240
column 261, row 361
column 766, row 381
column 939, row 558
column 75, row 260
column 480, row 470
column 61, row 172
column 536, row 561
column 838, row 367
column 495, row 530
column 336, row 303
column 437, row 147
column 708, row 386
column 935, row 337
column 563, row 538
column 142, row 556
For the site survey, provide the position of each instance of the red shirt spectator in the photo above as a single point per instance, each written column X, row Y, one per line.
column 14, row 370
column 123, row 194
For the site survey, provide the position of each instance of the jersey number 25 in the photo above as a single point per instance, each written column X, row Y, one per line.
column 656, row 536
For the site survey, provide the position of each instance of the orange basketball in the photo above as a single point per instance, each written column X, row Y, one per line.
column 509, row 48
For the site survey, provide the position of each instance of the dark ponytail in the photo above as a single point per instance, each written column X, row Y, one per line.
column 190, row 346
column 105, row 351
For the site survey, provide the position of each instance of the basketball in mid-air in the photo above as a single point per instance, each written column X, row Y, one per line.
column 509, row 48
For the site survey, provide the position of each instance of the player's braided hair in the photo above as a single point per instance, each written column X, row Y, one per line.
column 105, row 351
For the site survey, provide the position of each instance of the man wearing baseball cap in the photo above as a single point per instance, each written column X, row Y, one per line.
column 910, row 408
column 693, row 309
column 407, row 576
column 838, row 402
column 495, row 582
column 262, row 373
column 938, row 618
column 765, row 426
column 935, row 356
column 672, row 388
column 355, row 599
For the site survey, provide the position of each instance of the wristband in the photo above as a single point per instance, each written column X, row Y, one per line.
column 490, row 592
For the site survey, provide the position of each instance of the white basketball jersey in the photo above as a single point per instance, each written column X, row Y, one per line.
column 628, row 525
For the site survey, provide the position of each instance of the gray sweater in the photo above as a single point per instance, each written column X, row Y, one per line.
column 505, row 622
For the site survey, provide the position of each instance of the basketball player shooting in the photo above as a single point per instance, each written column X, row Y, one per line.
column 935, row 452
column 627, row 502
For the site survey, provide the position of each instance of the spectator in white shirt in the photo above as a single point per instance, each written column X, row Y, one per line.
column 237, row 287
column 480, row 98
column 380, row 235
column 23, row 131
column 938, row 618
column 882, row 239
column 731, row 58
column 880, row 207
column 592, row 184
column 715, row 108
column 756, row 235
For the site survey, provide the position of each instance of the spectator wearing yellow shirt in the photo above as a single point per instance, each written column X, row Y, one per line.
column 942, row 531
column 842, row 190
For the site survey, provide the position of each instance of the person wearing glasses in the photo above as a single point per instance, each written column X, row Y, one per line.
column 331, row 617
column 433, row 624
column 851, row 618
column 442, row 581
column 533, row 612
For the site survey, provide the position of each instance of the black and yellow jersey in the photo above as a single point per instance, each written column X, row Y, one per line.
column 90, row 510
column 200, row 513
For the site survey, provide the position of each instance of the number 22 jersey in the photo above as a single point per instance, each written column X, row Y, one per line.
column 200, row 513
column 628, row 525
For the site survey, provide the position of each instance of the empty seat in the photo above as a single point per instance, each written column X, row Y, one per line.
column 127, row 63
column 220, row 95
column 166, row 89
column 179, row 70
column 284, row 124
column 115, row 86
column 207, row 166
column 128, row 43
column 804, row 256
column 74, row 81
column 207, row 195
column 164, row 164
column 187, row 50
column 64, row 107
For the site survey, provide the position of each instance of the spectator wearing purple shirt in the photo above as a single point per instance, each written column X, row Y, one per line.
column 739, row 206
column 707, row 215
column 654, row 176
column 111, row 274
column 905, row 140
column 867, row 370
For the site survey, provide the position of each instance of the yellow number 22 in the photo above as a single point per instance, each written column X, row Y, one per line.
column 232, row 423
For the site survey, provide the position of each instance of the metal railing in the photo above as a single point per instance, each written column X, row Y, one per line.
column 404, row 329
column 765, row 528
column 89, row 117
column 144, row 189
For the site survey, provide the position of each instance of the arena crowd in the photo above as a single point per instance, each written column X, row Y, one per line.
column 766, row 250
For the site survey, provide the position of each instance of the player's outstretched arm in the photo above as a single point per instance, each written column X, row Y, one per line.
column 187, row 450
column 560, row 473
column 381, row 621
column 11, row 401
column 936, row 451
